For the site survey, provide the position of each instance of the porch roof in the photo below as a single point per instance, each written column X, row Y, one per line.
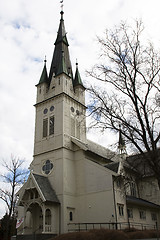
column 46, row 188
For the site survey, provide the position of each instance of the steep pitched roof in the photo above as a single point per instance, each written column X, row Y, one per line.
column 44, row 75
column 77, row 80
column 61, row 59
column 46, row 188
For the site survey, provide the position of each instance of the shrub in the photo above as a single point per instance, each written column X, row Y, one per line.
column 101, row 234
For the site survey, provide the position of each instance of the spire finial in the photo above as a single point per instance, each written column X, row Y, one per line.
column 62, row 12
column 45, row 60
column 76, row 63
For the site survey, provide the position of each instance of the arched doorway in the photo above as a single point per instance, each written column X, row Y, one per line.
column 36, row 218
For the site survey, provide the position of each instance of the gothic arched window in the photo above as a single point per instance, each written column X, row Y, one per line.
column 48, row 217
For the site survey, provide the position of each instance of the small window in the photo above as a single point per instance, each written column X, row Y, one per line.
column 119, row 183
column 72, row 127
column 51, row 108
column 48, row 217
column 70, row 216
column 51, row 125
column 72, row 109
column 45, row 111
column 130, row 212
column 47, row 167
column 142, row 214
column 121, row 209
column 45, row 127
column 154, row 216
column 133, row 189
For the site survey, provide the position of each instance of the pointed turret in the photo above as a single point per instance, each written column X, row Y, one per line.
column 77, row 80
column 61, row 60
column 44, row 75
column 121, row 144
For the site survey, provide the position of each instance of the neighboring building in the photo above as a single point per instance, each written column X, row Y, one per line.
column 72, row 179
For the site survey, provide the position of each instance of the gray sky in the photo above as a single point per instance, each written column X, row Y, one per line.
column 28, row 31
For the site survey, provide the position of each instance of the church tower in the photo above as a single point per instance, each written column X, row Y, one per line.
column 60, row 115
column 49, row 195
column 60, row 106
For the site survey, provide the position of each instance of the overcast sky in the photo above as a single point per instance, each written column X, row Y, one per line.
column 27, row 33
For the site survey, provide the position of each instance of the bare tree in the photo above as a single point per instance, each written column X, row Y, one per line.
column 13, row 178
column 128, row 78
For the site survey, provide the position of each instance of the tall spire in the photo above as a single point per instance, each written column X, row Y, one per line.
column 61, row 52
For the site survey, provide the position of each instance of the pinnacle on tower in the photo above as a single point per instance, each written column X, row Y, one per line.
column 61, row 60
column 77, row 80
column 121, row 144
column 44, row 75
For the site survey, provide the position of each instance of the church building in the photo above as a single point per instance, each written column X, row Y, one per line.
column 72, row 179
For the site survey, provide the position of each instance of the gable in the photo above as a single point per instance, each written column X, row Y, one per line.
column 37, row 187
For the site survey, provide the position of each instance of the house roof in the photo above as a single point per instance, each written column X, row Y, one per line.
column 141, row 202
column 46, row 188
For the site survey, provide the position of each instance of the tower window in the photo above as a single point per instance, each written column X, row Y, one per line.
column 45, row 127
column 47, row 167
column 51, row 125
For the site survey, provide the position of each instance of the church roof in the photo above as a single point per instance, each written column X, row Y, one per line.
column 95, row 148
column 61, row 60
column 46, row 188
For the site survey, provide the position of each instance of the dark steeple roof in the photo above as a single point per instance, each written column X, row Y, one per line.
column 44, row 75
column 77, row 80
column 121, row 144
column 61, row 60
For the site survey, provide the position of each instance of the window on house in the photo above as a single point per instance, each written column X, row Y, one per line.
column 133, row 189
column 142, row 214
column 51, row 125
column 154, row 216
column 130, row 212
column 45, row 127
column 121, row 209
column 70, row 216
